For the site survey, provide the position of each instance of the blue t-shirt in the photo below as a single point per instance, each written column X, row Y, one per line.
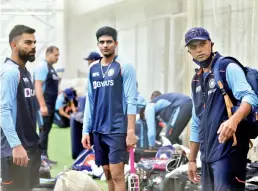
column 111, row 96
column 18, row 108
column 60, row 102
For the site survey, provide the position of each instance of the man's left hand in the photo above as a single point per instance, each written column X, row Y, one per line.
column 131, row 139
column 227, row 129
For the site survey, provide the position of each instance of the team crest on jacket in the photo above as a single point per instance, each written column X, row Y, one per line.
column 198, row 89
column 212, row 83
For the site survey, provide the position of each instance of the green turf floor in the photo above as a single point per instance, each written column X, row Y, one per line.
column 60, row 151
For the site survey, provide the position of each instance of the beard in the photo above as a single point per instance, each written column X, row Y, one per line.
column 26, row 56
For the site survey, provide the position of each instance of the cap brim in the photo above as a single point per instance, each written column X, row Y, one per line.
column 70, row 98
column 85, row 58
column 197, row 38
column 141, row 105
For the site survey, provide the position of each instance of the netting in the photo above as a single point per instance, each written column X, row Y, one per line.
column 151, row 36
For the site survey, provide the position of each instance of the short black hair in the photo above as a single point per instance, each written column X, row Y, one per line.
column 107, row 31
column 51, row 49
column 156, row 93
column 18, row 30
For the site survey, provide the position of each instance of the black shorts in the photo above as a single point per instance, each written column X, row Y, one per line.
column 16, row 178
column 110, row 149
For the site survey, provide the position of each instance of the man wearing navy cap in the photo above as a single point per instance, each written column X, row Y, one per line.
column 93, row 56
column 223, row 165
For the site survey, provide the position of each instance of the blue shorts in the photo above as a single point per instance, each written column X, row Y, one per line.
column 110, row 149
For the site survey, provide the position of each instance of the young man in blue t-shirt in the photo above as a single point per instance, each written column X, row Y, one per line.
column 110, row 109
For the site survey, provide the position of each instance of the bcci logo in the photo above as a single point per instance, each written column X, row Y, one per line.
column 111, row 72
column 198, row 89
column 212, row 83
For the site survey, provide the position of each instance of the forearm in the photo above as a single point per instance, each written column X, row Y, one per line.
column 87, row 118
column 39, row 94
column 62, row 112
column 242, row 112
column 194, row 148
column 131, row 123
column 151, row 123
column 73, row 107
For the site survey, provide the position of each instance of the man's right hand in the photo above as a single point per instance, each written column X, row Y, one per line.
column 20, row 157
column 192, row 169
column 44, row 110
column 86, row 141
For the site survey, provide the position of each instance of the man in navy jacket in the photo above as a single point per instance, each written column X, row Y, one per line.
column 223, row 165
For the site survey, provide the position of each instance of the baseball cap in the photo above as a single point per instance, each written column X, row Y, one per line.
column 93, row 56
column 196, row 33
column 69, row 93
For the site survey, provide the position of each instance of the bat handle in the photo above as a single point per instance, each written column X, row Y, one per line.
column 234, row 140
column 132, row 169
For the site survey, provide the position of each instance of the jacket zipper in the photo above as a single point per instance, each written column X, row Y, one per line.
column 204, row 95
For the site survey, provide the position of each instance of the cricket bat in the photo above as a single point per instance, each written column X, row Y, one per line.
column 133, row 178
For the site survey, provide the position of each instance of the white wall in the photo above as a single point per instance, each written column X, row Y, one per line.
column 151, row 36
column 47, row 17
column 150, row 33
column 141, row 38
column 79, row 7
